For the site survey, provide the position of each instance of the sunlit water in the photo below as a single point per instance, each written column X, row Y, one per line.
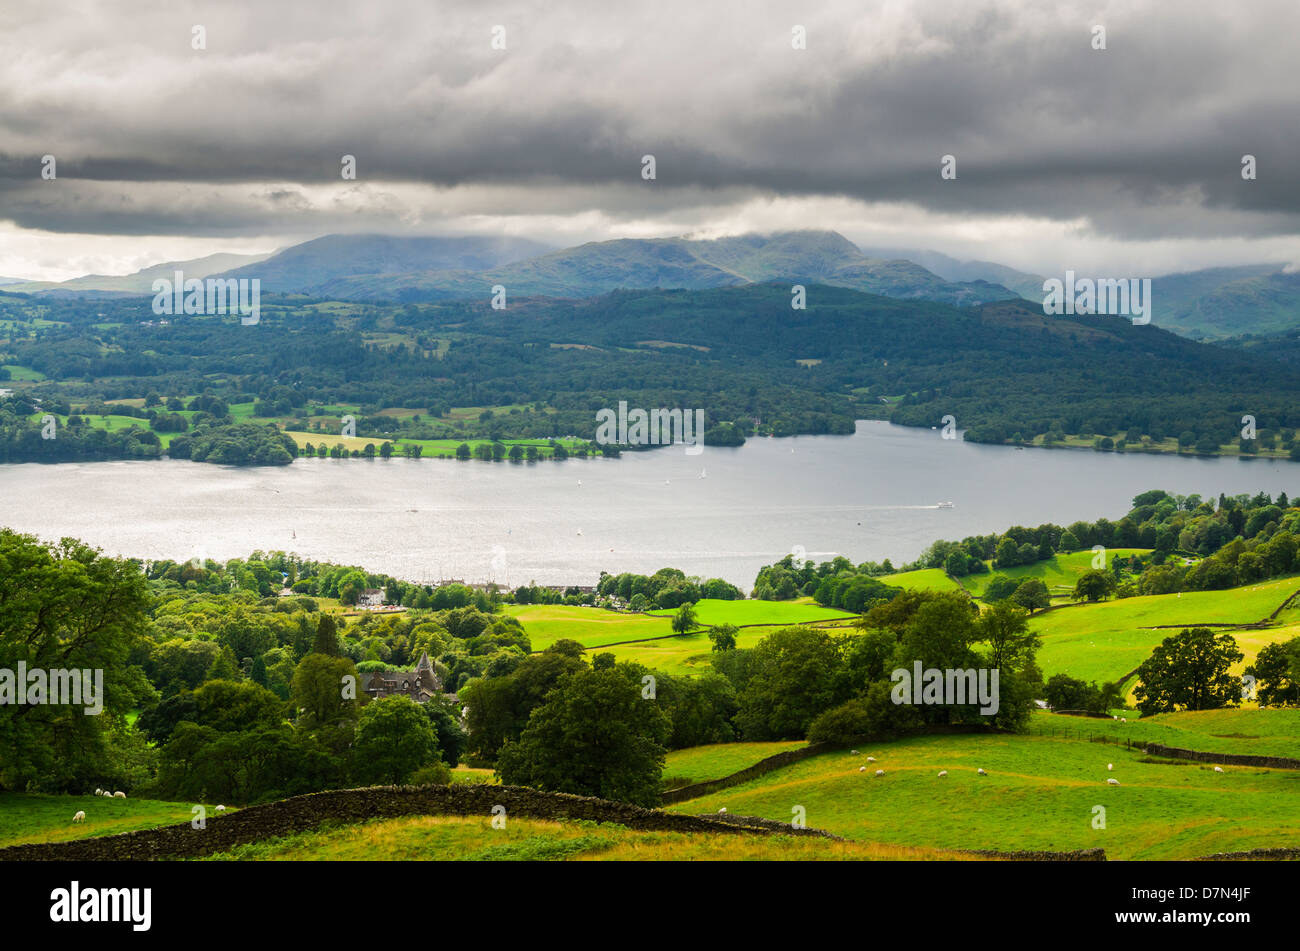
column 723, row 513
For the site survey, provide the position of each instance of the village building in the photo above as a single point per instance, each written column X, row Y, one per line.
column 419, row 684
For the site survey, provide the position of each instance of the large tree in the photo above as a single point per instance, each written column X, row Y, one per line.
column 394, row 738
column 67, row 607
column 596, row 735
column 1189, row 671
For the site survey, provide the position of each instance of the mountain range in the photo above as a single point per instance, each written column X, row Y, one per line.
column 1207, row 304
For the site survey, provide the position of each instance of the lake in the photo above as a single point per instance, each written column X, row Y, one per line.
column 722, row 513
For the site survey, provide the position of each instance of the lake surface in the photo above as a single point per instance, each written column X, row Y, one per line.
column 722, row 513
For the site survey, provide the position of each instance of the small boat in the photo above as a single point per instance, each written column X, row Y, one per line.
column 944, row 505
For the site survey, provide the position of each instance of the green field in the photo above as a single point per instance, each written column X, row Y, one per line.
column 1106, row 640
column 701, row 763
column 712, row 612
column 28, row 817
column 924, row 579
column 596, row 628
column 591, row 627
column 1039, row 794
column 1060, row 572
column 1249, row 731
column 428, row 838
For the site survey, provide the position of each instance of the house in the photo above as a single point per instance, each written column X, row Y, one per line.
column 419, row 684
column 371, row 598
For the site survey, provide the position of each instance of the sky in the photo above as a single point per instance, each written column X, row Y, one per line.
column 1125, row 160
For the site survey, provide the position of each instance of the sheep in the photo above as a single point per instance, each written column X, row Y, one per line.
column 1112, row 781
column 99, row 792
column 880, row 772
column 862, row 769
column 943, row 773
column 1218, row 769
column 1110, row 765
column 221, row 808
column 119, row 795
column 871, row 759
column 1123, row 719
column 722, row 810
column 108, row 794
column 79, row 817
column 855, row 752
column 981, row 771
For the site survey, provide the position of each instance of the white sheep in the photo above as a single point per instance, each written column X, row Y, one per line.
column 79, row 817
column 942, row 773
column 1110, row 765
column 862, row 769
column 1112, row 781
column 722, row 810
column 119, row 795
column 880, row 772
column 871, row 759
column 99, row 792
column 1123, row 719
column 981, row 771
column 1218, row 769
column 221, row 808
column 108, row 794
column 855, row 752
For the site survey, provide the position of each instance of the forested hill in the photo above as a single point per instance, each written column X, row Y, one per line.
column 742, row 353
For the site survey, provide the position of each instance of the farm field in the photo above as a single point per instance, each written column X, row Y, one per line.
column 459, row 838
column 1249, row 731
column 1039, row 794
column 1060, row 573
column 1106, row 640
column 594, row 627
column 712, row 611
column 924, row 579
column 591, row 627
column 699, row 764
column 31, row 817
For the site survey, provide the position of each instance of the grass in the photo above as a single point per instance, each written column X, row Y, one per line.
column 1060, row 572
column 20, row 374
column 591, row 627
column 1106, row 640
column 1039, row 793
column 699, row 764
column 597, row 628
column 926, row 579
column 740, row 613
column 1251, row 731
column 474, row 839
column 31, row 817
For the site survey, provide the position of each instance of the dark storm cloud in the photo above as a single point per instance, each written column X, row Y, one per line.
column 1142, row 140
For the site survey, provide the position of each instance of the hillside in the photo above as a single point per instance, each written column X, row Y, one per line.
column 376, row 271
column 141, row 282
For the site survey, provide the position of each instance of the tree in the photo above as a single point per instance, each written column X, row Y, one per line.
column 794, row 674
column 327, row 638
column 684, row 619
column 1277, row 673
column 1189, row 671
column 1032, row 595
column 65, row 606
column 594, row 736
column 318, row 689
column 1004, row 628
column 394, row 738
column 724, row 637
column 1094, row 586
